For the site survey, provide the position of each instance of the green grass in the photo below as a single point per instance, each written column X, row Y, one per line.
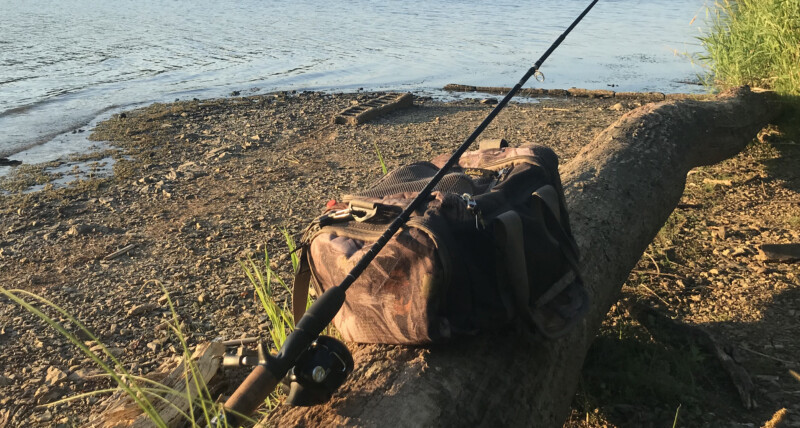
column 144, row 392
column 756, row 43
column 380, row 159
column 262, row 280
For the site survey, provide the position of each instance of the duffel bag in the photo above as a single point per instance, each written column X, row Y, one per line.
column 492, row 245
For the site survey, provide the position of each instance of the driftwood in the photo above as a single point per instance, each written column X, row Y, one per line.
column 620, row 189
column 121, row 411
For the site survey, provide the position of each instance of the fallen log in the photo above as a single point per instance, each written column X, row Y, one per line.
column 620, row 190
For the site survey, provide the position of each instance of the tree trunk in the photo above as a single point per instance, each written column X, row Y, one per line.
column 620, row 189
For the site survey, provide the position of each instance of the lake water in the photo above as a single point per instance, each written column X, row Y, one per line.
column 64, row 64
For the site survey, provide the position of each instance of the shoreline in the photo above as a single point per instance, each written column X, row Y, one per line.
column 64, row 145
column 200, row 185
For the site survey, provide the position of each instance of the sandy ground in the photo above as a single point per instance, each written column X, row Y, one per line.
column 199, row 186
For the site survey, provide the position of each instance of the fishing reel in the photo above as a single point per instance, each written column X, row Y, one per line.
column 316, row 374
column 319, row 372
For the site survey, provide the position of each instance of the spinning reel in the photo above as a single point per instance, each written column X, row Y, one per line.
column 316, row 375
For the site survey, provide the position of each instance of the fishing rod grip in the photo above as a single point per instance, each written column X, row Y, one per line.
column 250, row 394
column 265, row 377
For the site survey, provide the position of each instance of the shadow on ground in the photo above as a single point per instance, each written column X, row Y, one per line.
column 642, row 376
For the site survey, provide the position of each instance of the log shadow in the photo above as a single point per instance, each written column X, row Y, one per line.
column 637, row 376
column 786, row 143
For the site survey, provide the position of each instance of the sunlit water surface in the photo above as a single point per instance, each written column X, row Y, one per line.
column 64, row 64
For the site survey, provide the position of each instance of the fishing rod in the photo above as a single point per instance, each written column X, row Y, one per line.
column 305, row 352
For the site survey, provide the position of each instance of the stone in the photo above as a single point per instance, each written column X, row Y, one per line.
column 45, row 416
column 46, row 394
column 79, row 376
column 140, row 309
column 54, row 376
column 85, row 229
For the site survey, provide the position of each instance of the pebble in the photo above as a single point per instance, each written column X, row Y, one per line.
column 79, row 376
column 45, row 416
column 54, row 376
column 140, row 309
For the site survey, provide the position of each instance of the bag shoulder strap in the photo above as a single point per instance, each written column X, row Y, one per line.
column 509, row 238
column 302, row 279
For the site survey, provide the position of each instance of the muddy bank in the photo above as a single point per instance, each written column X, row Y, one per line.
column 199, row 186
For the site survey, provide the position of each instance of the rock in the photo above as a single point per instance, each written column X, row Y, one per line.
column 140, row 309
column 218, row 151
column 714, row 182
column 4, row 381
column 79, row 376
column 45, row 416
column 46, row 394
column 9, row 162
column 54, row 376
column 85, row 229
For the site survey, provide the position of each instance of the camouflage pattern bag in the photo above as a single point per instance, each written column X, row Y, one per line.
column 490, row 246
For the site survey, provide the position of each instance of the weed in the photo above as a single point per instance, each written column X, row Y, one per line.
column 141, row 390
column 280, row 316
column 669, row 233
column 754, row 42
column 380, row 158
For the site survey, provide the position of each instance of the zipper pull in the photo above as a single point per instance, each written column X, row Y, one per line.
column 472, row 207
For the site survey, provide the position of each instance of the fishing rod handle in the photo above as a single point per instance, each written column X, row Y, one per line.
column 250, row 394
column 265, row 377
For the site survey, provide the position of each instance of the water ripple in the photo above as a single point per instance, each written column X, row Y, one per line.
column 61, row 62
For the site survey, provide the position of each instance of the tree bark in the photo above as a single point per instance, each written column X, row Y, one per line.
column 620, row 189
